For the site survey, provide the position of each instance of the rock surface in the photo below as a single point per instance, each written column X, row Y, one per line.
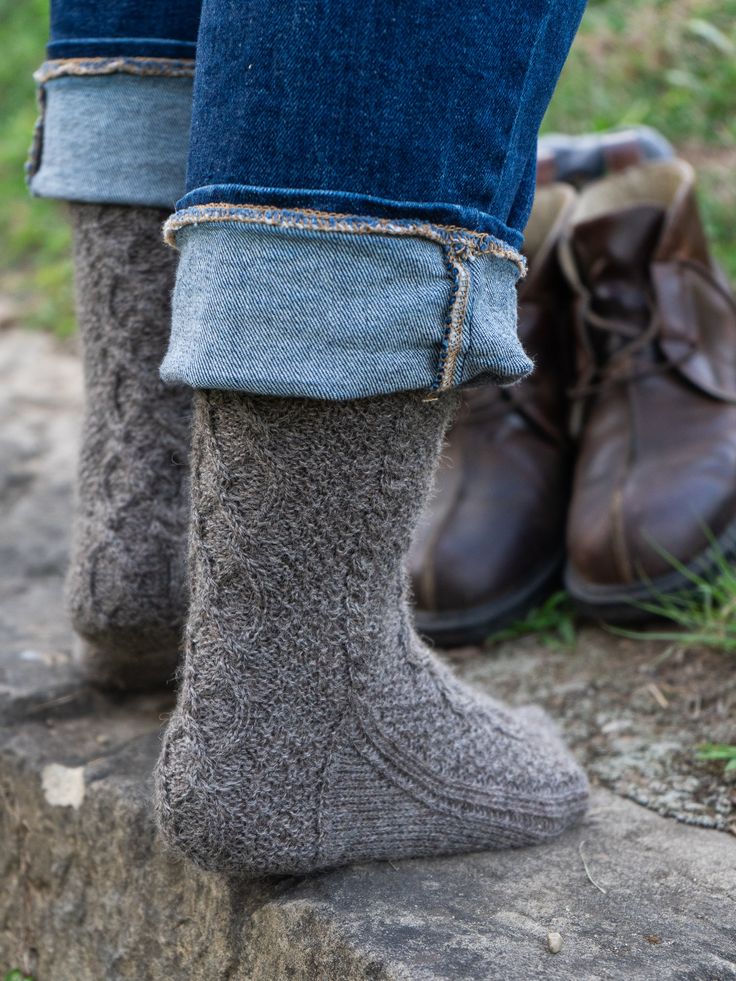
column 88, row 893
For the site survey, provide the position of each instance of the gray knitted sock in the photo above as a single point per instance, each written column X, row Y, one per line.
column 126, row 585
column 313, row 728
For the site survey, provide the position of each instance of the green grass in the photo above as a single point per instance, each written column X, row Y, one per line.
column 668, row 63
column 553, row 623
column 17, row 975
column 703, row 614
column 720, row 753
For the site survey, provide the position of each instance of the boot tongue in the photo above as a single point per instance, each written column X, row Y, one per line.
column 613, row 254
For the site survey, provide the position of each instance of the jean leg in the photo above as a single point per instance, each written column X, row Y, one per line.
column 357, row 186
column 115, row 97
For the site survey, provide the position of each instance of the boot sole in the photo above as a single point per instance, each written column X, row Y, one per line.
column 459, row 628
column 618, row 604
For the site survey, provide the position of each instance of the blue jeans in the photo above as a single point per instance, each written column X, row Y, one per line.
column 359, row 176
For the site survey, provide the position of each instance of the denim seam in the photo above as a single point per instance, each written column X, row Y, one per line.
column 283, row 311
column 467, row 329
column 463, row 242
column 452, row 340
column 459, row 246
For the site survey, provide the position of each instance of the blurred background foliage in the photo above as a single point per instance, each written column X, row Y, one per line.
column 668, row 63
column 35, row 268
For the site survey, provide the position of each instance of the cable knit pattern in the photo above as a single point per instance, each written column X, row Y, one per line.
column 313, row 728
column 126, row 587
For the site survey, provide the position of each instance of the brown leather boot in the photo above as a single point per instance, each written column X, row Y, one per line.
column 492, row 543
column 656, row 392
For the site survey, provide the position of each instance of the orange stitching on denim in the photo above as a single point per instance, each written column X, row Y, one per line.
column 463, row 241
column 167, row 67
column 453, row 341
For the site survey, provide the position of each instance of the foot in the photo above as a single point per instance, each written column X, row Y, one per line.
column 313, row 728
column 126, row 588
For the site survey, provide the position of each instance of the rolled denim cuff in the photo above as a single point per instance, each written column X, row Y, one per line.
column 112, row 130
column 296, row 302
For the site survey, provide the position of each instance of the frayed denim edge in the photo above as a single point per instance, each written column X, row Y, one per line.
column 463, row 242
column 138, row 65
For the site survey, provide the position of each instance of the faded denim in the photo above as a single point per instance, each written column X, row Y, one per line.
column 318, row 130
column 115, row 100
column 129, row 143
column 287, row 308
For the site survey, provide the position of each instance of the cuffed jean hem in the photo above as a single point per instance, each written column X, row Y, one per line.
column 318, row 305
column 468, row 220
column 112, row 130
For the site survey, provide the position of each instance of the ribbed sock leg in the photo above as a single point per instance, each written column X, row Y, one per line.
column 313, row 727
column 126, row 588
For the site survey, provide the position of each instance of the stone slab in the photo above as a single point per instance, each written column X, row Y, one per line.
column 89, row 893
column 662, row 906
